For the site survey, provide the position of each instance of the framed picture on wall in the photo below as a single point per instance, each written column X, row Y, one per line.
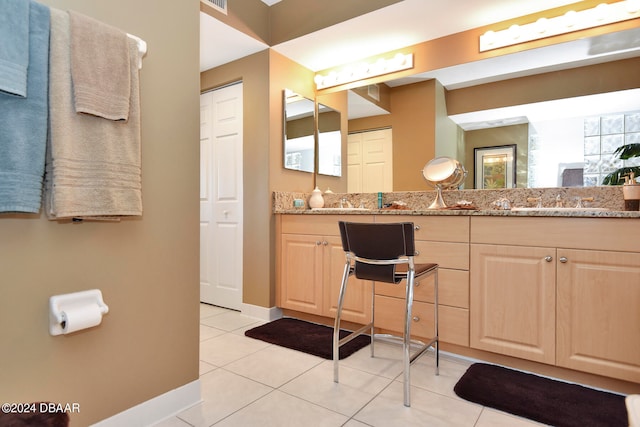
column 495, row 167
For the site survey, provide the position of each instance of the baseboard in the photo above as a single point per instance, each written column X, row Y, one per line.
column 157, row 409
column 262, row 313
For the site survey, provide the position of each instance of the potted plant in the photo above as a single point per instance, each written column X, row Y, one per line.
column 625, row 152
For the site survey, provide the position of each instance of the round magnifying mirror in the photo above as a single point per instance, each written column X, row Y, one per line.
column 443, row 173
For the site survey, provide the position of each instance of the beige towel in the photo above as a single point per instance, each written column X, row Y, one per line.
column 93, row 164
column 100, row 68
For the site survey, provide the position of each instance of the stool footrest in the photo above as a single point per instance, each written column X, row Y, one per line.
column 355, row 334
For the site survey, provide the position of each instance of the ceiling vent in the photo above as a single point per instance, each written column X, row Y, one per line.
column 219, row 5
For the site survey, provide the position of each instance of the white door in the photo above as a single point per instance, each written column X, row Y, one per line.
column 221, row 197
column 370, row 157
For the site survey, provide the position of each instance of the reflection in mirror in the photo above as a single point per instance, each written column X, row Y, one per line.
column 329, row 141
column 299, row 139
column 566, row 142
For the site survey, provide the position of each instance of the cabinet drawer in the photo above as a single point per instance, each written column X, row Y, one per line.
column 453, row 322
column 445, row 254
column 326, row 225
column 615, row 234
column 437, row 228
column 453, row 288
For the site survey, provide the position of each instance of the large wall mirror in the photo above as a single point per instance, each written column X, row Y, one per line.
column 571, row 133
column 299, row 132
column 329, row 141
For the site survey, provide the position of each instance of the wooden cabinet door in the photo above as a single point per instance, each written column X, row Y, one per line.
column 301, row 273
column 599, row 312
column 513, row 301
column 358, row 299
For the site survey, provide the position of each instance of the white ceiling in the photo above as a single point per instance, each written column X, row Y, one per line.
column 409, row 22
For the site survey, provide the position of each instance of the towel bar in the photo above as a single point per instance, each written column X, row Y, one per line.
column 142, row 48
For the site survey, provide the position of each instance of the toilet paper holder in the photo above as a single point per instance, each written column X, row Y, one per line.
column 59, row 303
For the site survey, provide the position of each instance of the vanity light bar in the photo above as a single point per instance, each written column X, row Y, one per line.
column 364, row 70
column 602, row 14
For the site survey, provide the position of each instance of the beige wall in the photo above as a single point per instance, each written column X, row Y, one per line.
column 147, row 268
column 264, row 76
column 339, row 102
column 253, row 71
column 588, row 80
column 418, row 119
column 504, row 135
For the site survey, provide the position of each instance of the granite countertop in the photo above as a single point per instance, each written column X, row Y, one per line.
column 467, row 212
column 599, row 202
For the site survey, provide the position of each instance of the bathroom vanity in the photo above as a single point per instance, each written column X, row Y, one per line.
column 557, row 288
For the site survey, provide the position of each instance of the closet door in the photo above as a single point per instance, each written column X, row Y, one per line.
column 370, row 157
column 221, row 186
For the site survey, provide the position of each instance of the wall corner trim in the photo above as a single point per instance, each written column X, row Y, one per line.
column 158, row 408
column 262, row 313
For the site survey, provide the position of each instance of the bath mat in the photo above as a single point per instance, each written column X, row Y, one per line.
column 307, row 337
column 541, row 399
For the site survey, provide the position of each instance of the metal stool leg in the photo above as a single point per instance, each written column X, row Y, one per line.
column 336, row 327
column 373, row 314
column 406, row 344
column 435, row 322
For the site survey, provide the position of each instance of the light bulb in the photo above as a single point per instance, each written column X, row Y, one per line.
column 515, row 31
column 542, row 25
column 570, row 18
column 490, row 37
column 632, row 6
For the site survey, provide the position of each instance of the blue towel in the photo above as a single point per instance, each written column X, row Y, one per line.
column 14, row 46
column 23, row 125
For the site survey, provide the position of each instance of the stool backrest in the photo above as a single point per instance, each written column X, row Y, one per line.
column 384, row 244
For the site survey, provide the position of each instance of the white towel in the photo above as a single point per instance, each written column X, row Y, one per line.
column 93, row 164
column 100, row 69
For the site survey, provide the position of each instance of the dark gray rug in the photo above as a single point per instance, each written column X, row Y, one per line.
column 307, row 337
column 541, row 399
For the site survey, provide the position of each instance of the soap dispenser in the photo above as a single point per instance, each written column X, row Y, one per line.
column 316, row 200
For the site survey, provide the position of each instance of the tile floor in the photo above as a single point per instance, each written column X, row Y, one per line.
column 247, row 382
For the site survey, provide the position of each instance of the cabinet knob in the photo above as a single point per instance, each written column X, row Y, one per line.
column 416, row 227
column 325, row 243
column 563, row 259
column 548, row 258
column 416, row 253
column 318, row 242
column 416, row 319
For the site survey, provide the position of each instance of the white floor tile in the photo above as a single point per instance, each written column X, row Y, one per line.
column 205, row 367
column 387, row 360
column 172, row 422
column 229, row 321
column 423, row 375
column 427, row 409
column 493, row 418
column 355, row 389
column 248, row 382
column 207, row 332
column 227, row 348
column 223, row 393
column 207, row 310
column 279, row 409
column 274, row 365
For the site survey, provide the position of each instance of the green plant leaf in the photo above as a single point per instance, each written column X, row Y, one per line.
column 628, row 151
column 617, row 177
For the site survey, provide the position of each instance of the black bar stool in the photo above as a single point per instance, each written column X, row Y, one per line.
column 384, row 253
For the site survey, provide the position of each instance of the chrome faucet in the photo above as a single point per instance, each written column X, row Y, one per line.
column 558, row 201
column 538, row 201
column 580, row 203
column 344, row 203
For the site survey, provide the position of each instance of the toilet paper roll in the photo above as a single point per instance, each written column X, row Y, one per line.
column 81, row 317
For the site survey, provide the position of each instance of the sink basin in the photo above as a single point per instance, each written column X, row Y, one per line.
column 339, row 209
column 558, row 209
